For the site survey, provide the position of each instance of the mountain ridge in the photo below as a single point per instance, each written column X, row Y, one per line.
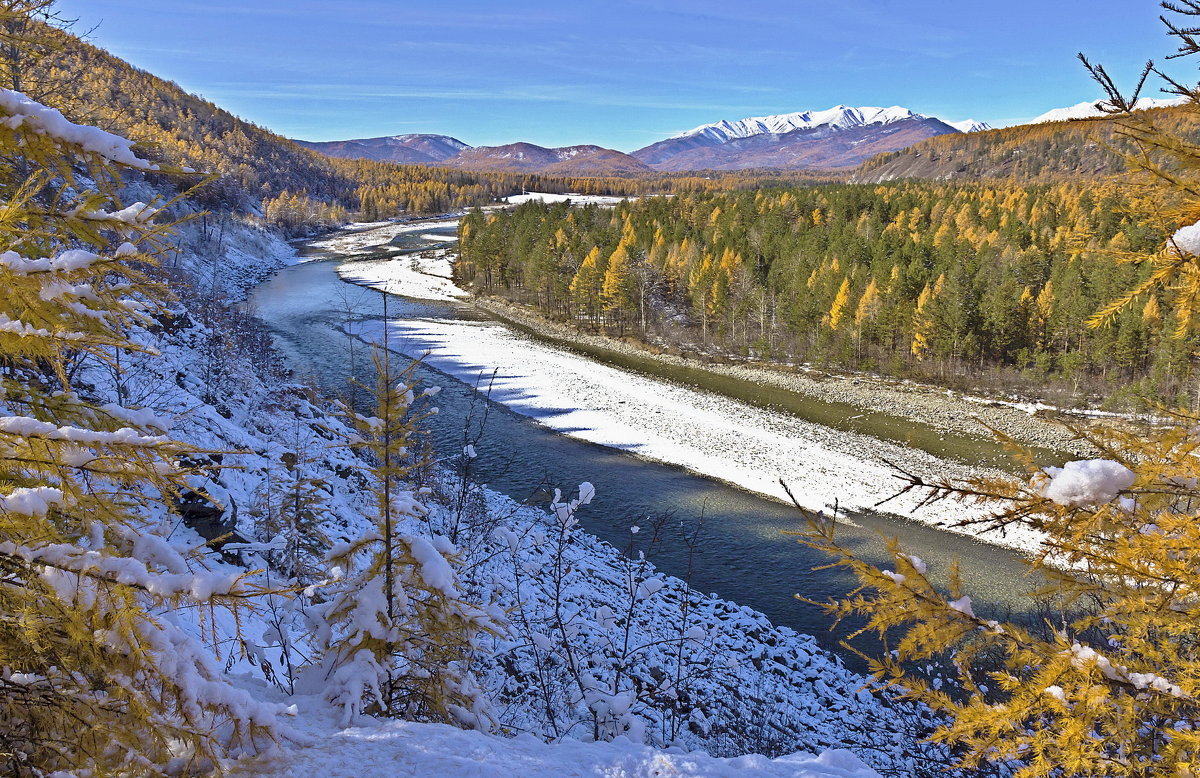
column 837, row 138
column 407, row 149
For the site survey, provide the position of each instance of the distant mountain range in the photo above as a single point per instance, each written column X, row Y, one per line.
column 528, row 158
column 404, row 149
column 840, row 137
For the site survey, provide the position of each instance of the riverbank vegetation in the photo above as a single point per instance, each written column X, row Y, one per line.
column 990, row 281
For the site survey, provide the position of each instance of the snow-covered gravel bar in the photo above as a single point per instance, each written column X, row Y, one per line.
column 708, row 434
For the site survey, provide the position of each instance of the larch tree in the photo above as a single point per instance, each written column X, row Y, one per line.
column 398, row 634
column 1110, row 686
column 98, row 670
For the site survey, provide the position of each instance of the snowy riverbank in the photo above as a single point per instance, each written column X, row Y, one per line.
column 943, row 409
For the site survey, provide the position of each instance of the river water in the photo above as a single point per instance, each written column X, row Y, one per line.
column 744, row 554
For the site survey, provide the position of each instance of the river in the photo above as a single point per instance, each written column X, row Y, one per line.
column 743, row 556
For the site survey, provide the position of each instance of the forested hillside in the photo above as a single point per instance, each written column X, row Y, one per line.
column 296, row 188
column 931, row 280
column 1052, row 151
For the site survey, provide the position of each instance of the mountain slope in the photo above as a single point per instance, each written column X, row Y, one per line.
column 171, row 124
column 839, row 137
column 417, row 149
column 1052, row 150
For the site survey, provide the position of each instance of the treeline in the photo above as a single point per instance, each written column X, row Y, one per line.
column 1051, row 151
column 909, row 279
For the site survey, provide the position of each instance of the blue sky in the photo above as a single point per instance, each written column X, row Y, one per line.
column 619, row 73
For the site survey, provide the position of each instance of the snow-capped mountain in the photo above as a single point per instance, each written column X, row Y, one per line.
column 1089, row 110
column 839, row 137
column 970, row 125
column 840, row 116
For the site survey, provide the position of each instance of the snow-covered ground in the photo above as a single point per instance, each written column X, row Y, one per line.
column 556, row 656
column 708, row 434
column 577, row 199
column 411, row 275
column 361, row 235
column 318, row 747
column 748, row 685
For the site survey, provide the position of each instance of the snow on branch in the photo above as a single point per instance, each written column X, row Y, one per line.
column 44, row 120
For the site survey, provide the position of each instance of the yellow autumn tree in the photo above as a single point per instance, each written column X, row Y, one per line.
column 616, row 292
column 1111, row 685
column 837, row 311
column 868, row 304
column 922, row 324
column 95, row 680
column 587, row 283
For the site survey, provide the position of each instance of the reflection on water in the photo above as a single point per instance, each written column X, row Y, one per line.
column 744, row 555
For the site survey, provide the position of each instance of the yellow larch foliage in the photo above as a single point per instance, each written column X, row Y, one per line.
column 837, row 311
column 1109, row 684
column 96, row 681
column 615, row 291
column 868, row 304
column 922, row 324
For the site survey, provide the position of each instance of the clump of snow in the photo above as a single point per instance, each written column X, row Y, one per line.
column 1085, row 482
column 33, row 501
column 1186, row 240
column 72, row 259
column 135, row 214
column 963, row 606
column 47, row 121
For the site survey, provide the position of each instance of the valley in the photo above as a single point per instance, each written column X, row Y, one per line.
column 654, row 442
column 514, row 429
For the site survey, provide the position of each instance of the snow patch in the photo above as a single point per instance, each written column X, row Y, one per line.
column 1085, row 482
column 377, row 749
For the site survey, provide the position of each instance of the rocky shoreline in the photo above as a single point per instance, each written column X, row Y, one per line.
column 942, row 409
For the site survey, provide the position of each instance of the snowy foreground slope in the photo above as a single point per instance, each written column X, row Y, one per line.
column 666, row 666
column 391, row 749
